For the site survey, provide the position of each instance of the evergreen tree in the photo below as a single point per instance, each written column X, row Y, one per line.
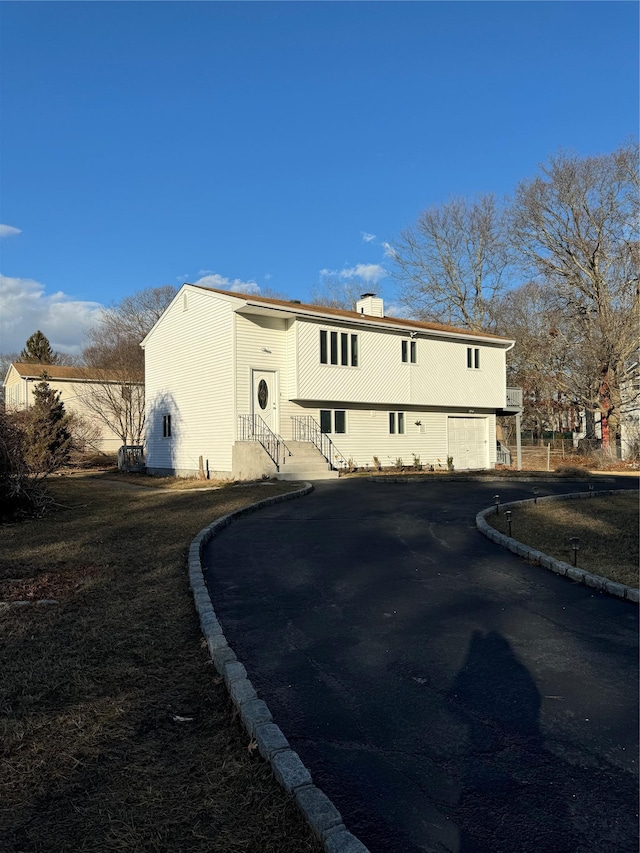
column 38, row 350
column 48, row 439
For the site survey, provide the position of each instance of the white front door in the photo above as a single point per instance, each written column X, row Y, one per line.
column 264, row 397
column 468, row 442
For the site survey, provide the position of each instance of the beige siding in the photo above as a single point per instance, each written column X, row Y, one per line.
column 19, row 395
column 189, row 374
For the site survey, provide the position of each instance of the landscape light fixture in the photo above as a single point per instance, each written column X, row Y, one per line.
column 590, row 490
column 536, row 492
column 496, row 500
column 508, row 517
column 575, row 544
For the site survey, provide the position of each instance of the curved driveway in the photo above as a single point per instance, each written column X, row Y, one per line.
column 445, row 694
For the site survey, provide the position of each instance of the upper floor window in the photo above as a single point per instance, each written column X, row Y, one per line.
column 473, row 357
column 409, row 350
column 338, row 348
column 166, row 426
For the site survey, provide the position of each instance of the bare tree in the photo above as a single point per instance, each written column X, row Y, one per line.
column 134, row 315
column 541, row 361
column 576, row 224
column 113, row 351
column 335, row 292
column 453, row 263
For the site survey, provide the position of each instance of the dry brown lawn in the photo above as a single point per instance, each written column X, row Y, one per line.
column 116, row 733
column 606, row 526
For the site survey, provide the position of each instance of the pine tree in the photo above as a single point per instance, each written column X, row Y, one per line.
column 38, row 350
column 48, row 439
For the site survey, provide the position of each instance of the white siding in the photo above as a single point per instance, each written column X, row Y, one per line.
column 368, row 434
column 439, row 377
column 261, row 344
column 189, row 375
column 199, row 370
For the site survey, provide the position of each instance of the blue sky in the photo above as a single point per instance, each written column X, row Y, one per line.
column 259, row 144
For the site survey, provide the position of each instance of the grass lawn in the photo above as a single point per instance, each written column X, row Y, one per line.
column 116, row 733
column 607, row 528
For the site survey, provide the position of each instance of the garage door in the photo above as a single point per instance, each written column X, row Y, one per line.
column 468, row 442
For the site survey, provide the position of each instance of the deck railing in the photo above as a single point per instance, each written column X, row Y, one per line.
column 307, row 428
column 253, row 428
column 514, row 398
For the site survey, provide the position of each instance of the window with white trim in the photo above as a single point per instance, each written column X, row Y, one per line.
column 338, row 348
column 409, row 350
column 333, row 421
column 473, row 358
column 396, row 423
column 166, row 426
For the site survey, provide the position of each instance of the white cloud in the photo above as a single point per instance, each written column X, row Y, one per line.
column 25, row 307
column 236, row 285
column 371, row 273
column 367, row 238
column 9, row 231
column 389, row 251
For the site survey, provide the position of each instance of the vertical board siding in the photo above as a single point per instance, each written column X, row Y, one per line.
column 189, row 374
column 440, row 376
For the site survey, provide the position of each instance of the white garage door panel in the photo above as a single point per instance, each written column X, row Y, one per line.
column 468, row 442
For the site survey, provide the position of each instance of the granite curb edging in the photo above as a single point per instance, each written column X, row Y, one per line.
column 469, row 478
column 559, row 567
column 320, row 813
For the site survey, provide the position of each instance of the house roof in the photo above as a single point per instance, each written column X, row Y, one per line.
column 30, row 370
column 321, row 311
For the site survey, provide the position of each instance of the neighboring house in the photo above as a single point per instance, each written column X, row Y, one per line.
column 630, row 408
column 243, row 386
column 77, row 385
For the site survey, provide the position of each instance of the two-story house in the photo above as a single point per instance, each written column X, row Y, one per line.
column 243, row 386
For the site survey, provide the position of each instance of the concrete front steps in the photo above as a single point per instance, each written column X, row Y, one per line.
column 305, row 463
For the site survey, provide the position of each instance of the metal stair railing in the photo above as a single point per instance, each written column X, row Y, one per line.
column 307, row 428
column 253, row 428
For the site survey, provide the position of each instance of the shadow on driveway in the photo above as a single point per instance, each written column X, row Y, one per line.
column 447, row 695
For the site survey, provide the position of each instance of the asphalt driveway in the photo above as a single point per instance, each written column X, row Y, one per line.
column 445, row 694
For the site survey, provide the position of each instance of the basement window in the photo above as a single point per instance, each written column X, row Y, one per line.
column 333, row 421
column 396, row 423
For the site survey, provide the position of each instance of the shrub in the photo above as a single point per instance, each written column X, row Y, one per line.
column 21, row 495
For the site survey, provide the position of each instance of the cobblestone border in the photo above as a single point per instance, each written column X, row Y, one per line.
column 320, row 813
column 539, row 559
